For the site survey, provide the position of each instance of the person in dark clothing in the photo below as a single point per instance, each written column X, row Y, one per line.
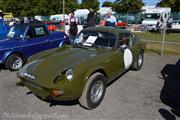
column 1, row 14
column 91, row 19
column 73, row 30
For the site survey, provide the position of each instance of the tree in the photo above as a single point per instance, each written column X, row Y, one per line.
column 71, row 5
column 37, row 7
column 107, row 4
column 174, row 4
column 124, row 6
column 87, row 4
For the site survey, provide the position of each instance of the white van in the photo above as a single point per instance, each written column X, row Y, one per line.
column 152, row 15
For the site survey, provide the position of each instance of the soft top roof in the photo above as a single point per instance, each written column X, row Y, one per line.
column 107, row 29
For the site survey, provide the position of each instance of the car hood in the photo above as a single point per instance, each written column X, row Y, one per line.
column 46, row 67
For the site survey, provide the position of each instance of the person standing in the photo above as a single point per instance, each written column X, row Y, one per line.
column 73, row 30
column 111, row 20
column 91, row 18
column 26, row 20
column 1, row 14
column 159, row 26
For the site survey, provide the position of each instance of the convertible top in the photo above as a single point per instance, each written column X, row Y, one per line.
column 107, row 29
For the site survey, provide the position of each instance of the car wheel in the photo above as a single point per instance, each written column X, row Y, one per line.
column 139, row 62
column 14, row 62
column 94, row 91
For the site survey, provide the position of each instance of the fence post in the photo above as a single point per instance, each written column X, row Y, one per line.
column 163, row 40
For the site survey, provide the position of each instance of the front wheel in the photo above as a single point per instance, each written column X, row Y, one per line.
column 139, row 62
column 94, row 91
column 14, row 62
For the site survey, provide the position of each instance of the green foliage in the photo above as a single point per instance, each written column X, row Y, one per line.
column 124, row 6
column 37, row 7
column 107, row 4
column 87, row 4
column 174, row 4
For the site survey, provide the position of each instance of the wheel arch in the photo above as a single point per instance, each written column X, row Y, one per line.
column 7, row 54
column 97, row 70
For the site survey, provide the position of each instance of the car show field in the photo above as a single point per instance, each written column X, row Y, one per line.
column 149, row 94
column 90, row 60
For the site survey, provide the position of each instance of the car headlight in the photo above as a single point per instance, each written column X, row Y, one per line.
column 69, row 74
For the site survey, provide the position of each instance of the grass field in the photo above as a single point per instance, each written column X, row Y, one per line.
column 169, row 49
column 171, row 37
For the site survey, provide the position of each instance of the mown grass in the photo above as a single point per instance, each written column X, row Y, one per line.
column 171, row 37
column 169, row 49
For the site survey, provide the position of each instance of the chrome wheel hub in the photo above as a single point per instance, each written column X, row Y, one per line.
column 16, row 63
column 96, row 91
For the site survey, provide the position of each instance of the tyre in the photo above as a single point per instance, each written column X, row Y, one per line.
column 94, row 91
column 139, row 62
column 14, row 62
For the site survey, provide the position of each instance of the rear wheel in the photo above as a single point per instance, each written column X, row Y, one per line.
column 94, row 91
column 139, row 62
column 14, row 62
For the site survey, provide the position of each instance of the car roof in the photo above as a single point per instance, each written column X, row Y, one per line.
column 107, row 29
column 30, row 24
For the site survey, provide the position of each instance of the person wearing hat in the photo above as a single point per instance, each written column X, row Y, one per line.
column 110, row 20
column 91, row 18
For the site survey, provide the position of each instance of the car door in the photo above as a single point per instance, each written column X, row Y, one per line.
column 126, row 45
column 36, row 40
column 114, row 63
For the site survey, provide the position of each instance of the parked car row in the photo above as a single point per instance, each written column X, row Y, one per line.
column 82, row 70
column 53, row 68
column 24, row 40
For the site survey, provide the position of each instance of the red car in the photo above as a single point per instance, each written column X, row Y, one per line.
column 53, row 26
column 119, row 23
column 122, row 24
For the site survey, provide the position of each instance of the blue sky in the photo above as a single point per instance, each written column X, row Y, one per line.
column 147, row 2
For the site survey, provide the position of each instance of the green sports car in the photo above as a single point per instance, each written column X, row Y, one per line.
column 83, row 70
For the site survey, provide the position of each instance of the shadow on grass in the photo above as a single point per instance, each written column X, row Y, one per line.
column 170, row 93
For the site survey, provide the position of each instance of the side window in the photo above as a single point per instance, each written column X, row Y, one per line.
column 125, row 40
column 130, row 40
column 112, row 40
column 31, row 32
column 1, row 25
column 39, row 31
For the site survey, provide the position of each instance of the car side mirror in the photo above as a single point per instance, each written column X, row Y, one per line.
column 122, row 47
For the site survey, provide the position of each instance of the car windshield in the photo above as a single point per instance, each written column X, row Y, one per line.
column 16, row 32
column 93, row 38
column 152, row 16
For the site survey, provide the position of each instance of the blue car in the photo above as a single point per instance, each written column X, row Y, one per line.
column 3, row 29
column 24, row 40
